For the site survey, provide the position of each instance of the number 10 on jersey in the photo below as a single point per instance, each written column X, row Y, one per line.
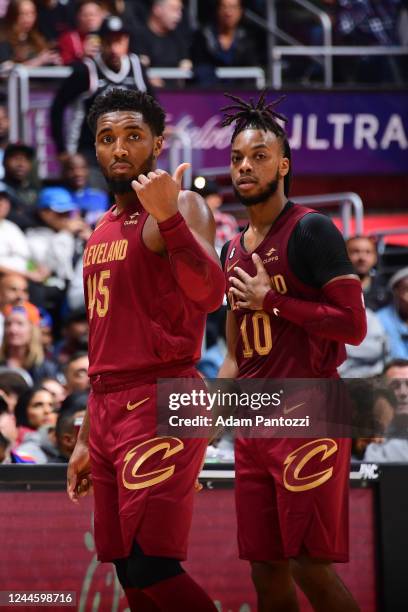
column 98, row 293
column 261, row 345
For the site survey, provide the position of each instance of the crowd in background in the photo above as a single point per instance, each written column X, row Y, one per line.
column 44, row 226
column 57, row 32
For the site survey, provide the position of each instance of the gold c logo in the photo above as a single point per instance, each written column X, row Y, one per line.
column 135, row 458
column 297, row 460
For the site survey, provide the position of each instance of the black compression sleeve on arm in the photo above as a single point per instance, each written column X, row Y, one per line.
column 317, row 251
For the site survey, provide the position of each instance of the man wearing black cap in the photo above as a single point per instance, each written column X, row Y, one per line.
column 114, row 67
column 22, row 188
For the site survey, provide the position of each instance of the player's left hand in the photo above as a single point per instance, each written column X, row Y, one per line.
column 158, row 192
column 249, row 291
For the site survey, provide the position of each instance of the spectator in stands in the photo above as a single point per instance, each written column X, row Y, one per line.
column 8, row 456
column 368, row 22
column 47, row 337
column 54, row 18
column 226, row 224
column 22, row 184
column 385, row 404
column 372, row 407
column 57, row 390
column 12, row 384
column 91, row 77
column 8, row 426
column 394, row 317
column 367, row 359
column 225, row 43
column 62, row 235
column 394, row 449
column 92, row 203
column 76, row 373
column 362, row 252
column 84, row 40
column 14, row 249
column 75, row 336
column 8, row 436
column 21, row 346
column 160, row 43
column 396, row 375
column 20, row 41
column 55, row 445
column 14, row 292
column 34, row 409
column 123, row 9
column 75, row 292
column 4, row 133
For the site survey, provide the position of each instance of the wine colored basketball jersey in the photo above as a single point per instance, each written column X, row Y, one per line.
column 269, row 345
column 139, row 318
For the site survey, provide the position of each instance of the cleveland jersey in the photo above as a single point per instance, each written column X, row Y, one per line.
column 268, row 345
column 139, row 318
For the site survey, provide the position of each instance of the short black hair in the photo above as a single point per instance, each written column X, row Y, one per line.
column 258, row 115
column 128, row 100
column 395, row 363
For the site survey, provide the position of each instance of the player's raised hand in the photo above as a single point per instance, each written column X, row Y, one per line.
column 249, row 291
column 158, row 191
column 79, row 482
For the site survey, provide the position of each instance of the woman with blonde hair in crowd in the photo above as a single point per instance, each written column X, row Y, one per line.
column 20, row 40
column 22, row 347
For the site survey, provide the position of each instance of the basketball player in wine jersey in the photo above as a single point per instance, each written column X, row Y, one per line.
column 151, row 275
column 295, row 301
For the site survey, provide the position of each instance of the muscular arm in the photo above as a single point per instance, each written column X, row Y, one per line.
column 189, row 239
column 341, row 317
column 318, row 256
column 187, row 231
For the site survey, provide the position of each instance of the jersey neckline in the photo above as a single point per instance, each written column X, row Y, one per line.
column 288, row 206
column 133, row 207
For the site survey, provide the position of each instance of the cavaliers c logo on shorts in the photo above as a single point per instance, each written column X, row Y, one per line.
column 298, row 459
column 134, row 477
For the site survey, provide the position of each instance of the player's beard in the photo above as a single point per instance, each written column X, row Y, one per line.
column 268, row 192
column 119, row 185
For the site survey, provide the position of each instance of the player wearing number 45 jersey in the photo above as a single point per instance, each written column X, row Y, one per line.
column 150, row 276
column 294, row 302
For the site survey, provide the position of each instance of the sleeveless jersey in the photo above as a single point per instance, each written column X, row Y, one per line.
column 268, row 345
column 139, row 318
column 101, row 79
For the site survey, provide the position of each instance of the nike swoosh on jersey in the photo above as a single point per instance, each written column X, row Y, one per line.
column 292, row 408
column 98, row 226
column 232, row 265
column 131, row 406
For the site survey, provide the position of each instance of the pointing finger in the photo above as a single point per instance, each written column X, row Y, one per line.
column 178, row 173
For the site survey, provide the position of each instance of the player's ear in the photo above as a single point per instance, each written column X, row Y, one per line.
column 157, row 146
column 284, row 166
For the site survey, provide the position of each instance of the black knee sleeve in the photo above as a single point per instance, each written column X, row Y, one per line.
column 143, row 571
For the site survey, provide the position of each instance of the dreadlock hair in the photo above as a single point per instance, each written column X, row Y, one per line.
column 258, row 116
column 128, row 100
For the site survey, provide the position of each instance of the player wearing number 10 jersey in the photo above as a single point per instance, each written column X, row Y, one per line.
column 294, row 301
column 150, row 276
